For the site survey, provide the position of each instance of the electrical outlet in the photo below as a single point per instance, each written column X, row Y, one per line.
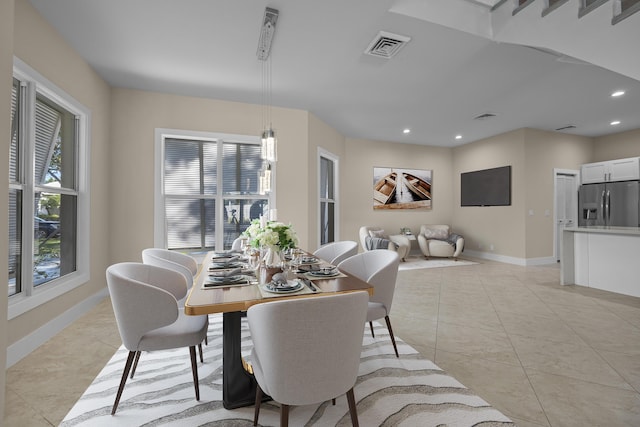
column 490, row 247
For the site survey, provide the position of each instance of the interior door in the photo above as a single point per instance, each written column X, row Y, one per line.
column 566, row 204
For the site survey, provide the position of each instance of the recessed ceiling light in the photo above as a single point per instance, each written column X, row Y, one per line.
column 458, row 136
column 615, row 122
column 407, row 130
column 617, row 93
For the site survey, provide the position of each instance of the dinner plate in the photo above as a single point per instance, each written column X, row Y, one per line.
column 220, row 265
column 226, row 280
column 291, row 286
column 318, row 273
column 308, row 260
column 223, row 255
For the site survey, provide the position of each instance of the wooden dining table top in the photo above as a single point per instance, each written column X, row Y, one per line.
column 224, row 299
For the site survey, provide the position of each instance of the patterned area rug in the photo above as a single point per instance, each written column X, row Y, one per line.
column 414, row 262
column 390, row 391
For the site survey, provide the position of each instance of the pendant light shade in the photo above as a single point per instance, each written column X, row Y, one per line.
column 269, row 150
column 264, row 180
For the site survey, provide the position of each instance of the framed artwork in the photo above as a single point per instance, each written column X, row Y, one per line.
column 395, row 188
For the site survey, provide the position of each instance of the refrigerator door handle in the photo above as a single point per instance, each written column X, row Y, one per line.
column 603, row 211
column 608, row 206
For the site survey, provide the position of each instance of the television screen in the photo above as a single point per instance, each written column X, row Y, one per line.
column 488, row 187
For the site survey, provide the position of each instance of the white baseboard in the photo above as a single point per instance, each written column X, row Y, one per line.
column 525, row 262
column 24, row 346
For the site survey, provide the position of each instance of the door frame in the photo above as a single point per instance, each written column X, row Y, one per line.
column 564, row 172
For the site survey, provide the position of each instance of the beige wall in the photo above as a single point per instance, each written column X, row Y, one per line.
column 361, row 156
column 40, row 46
column 502, row 227
column 544, row 152
column 6, row 73
column 136, row 115
column 523, row 230
column 617, row 146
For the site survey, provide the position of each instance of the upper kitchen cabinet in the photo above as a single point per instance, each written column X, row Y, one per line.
column 610, row 171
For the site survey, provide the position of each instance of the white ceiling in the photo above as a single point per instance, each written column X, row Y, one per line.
column 435, row 85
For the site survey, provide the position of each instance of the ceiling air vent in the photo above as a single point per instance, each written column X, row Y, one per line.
column 484, row 116
column 566, row 127
column 386, row 45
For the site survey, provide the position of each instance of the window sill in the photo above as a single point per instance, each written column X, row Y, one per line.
column 522, row 6
column 553, row 7
column 584, row 10
column 20, row 304
column 626, row 13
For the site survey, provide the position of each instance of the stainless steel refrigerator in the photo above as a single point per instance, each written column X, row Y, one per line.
column 609, row 204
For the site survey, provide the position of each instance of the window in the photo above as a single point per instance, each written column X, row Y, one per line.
column 587, row 6
column 207, row 189
column 552, row 5
column 623, row 9
column 48, row 200
column 520, row 4
column 327, row 182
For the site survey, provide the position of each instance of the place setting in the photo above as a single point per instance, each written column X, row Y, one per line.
column 228, row 269
column 281, row 284
column 319, row 271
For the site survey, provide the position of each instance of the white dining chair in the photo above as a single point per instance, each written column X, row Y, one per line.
column 181, row 263
column 295, row 358
column 144, row 299
column 379, row 269
column 336, row 252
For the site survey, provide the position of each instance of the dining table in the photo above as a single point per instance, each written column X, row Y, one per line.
column 234, row 299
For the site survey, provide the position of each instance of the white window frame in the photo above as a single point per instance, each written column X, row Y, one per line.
column 322, row 153
column 159, row 218
column 31, row 297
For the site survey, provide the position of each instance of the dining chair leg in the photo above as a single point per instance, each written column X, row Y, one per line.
column 135, row 364
column 333, row 401
column 256, row 411
column 353, row 411
column 200, row 350
column 194, row 370
column 393, row 340
column 284, row 415
column 125, row 374
column 371, row 327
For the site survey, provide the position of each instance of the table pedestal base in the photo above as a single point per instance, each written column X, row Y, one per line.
column 238, row 385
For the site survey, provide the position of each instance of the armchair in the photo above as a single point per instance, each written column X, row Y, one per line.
column 439, row 241
column 397, row 242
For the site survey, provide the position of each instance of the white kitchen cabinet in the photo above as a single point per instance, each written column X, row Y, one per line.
column 610, row 171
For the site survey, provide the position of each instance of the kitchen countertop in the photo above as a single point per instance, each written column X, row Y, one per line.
column 630, row 231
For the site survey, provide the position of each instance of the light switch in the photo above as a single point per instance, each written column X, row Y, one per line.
column 530, row 212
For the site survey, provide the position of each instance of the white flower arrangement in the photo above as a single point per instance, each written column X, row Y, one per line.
column 272, row 234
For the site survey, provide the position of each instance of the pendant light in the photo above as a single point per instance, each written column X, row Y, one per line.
column 269, row 149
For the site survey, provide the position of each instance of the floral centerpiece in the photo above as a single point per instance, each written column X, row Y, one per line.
column 272, row 236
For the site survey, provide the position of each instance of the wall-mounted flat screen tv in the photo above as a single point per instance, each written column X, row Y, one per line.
column 487, row 187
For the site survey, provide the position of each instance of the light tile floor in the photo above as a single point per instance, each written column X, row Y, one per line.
column 543, row 354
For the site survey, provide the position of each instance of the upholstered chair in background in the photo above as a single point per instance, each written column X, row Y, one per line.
column 396, row 242
column 439, row 241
